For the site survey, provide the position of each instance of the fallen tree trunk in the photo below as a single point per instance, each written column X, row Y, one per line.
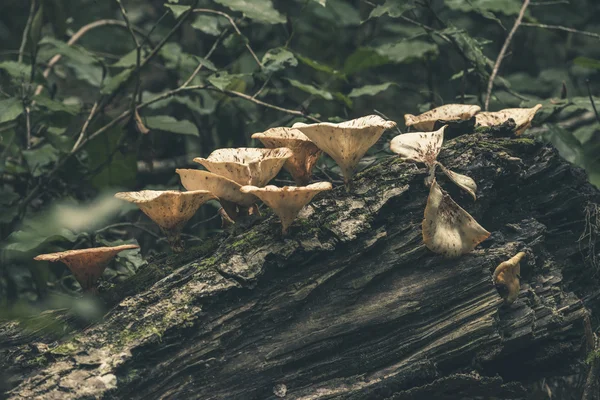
column 351, row 304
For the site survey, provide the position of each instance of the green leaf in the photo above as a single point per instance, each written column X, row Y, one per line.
column 10, row 109
column 224, row 80
column 55, row 105
column 370, row 90
column 209, row 24
column 112, row 83
column 259, row 10
column 587, row 62
column 317, row 66
column 26, row 241
column 393, row 8
column 15, row 69
column 471, row 50
column 321, row 2
column 39, row 159
column 364, row 58
column 506, row 7
column 276, row 59
column 114, row 168
column 74, row 52
column 177, row 10
column 35, row 31
column 310, row 89
column 128, row 60
column 339, row 13
column 170, row 124
column 407, row 51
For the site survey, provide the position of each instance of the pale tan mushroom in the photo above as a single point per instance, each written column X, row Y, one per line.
column 347, row 142
column 521, row 116
column 287, row 201
column 246, row 166
column 447, row 228
column 448, row 112
column 169, row 209
column 306, row 153
column 87, row 265
column 225, row 189
column 507, row 278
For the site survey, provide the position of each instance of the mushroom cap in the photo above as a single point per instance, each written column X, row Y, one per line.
column 521, row 116
column 506, row 278
column 245, row 165
column 305, row 152
column 169, row 209
column 448, row 112
column 287, row 201
column 225, row 189
column 462, row 181
column 447, row 228
column 419, row 146
column 86, row 265
column 346, row 142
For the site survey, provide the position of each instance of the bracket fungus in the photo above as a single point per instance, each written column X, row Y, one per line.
column 87, row 265
column 245, row 165
column 169, row 209
column 347, row 142
column 448, row 112
column 424, row 147
column 447, row 228
column 305, row 152
column 521, row 116
column 232, row 199
column 287, row 201
column 507, row 278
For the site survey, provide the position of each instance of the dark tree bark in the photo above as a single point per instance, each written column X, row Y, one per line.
column 351, row 304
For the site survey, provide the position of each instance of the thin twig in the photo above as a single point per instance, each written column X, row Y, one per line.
column 206, row 57
column 502, row 52
column 232, row 22
column 85, row 126
column 28, row 123
column 562, row 28
column 26, row 31
column 587, row 82
column 264, row 85
column 138, row 50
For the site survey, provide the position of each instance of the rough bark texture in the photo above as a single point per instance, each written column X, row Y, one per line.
column 350, row 304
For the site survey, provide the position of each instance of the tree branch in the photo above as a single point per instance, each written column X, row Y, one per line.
column 26, row 31
column 562, row 28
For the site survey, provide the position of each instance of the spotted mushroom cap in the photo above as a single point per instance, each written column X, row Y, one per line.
column 419, row 146
column 506, row 278
column 347, row 142
column 448, row 112
column 521, row 116
column 225, row 189
column 169, row 209
column 86, row 265
column 245, row 165
column 447, row 228
column 305, row 152
column 287, row 201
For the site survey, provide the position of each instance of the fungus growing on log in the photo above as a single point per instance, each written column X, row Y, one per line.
column 507, row 278
column 447, row 228
column 169, row 209
column 347, row 142
column 233, row 201
column 424, row 147
column 287, row 201
column 305, row 152
column 448, row 112
column 521, row 116
column 87, row 265
column 246, row 166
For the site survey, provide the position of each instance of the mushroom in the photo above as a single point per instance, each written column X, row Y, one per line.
column 346, row 142
column 287, row 201
column 448, row 112
column 447, row 228
column 521, row 116
column 87, row 265
column 228, row 191
column 507, row 277
column 246, row 166
column 169, row 209
column 305, row 152
column 424, row 147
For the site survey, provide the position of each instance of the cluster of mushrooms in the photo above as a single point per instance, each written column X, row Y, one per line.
column 238, row 178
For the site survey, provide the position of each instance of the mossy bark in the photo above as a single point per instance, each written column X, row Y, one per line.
column 350, row 304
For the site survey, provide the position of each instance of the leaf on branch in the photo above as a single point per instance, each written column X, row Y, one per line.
column 258, row 10
column 224, row 80
column 10, row 109
column 15, row 69
column 35, row 31
column 209, row 24
column 177, row 10
column 370, row 90
column 56, row 106
column 318, row 66
column 40, row 158
column 484, row 7
column 112, row 83
column 321, row 2
column 170, row 124
column 587, row 62
column 310, row 89
column 276, row 59
column 393, row 8
column 400, row 53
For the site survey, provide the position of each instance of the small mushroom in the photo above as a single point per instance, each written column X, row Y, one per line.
column 305, row 152
column 169, row 209
column 246, row 166
column 225, row 189
column 447, row 228
column 424, row 147
column 287, row 201
column 507, row 278
column 87, row 265
column 448, row 112
column 347, row 142
column 521, row 116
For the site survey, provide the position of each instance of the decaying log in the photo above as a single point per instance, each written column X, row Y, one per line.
column 350, row 304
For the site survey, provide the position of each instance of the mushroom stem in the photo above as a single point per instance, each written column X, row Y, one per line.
column 174, row 240
column 347, row 184
column 225, row 219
